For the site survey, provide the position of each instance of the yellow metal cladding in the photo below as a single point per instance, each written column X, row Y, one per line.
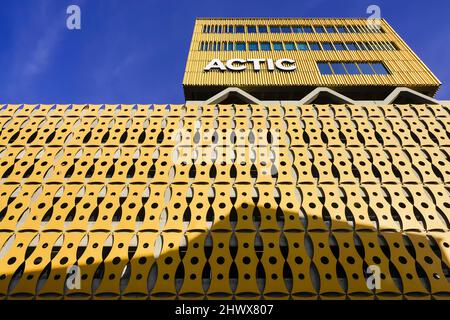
column 405, row 67
column 346, row 187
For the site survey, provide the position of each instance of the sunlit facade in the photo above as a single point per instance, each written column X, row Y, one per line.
column 310, row 161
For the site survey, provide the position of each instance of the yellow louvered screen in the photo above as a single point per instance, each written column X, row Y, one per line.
column 405, row 67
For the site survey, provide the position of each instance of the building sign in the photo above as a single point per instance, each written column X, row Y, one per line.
column 258, row 64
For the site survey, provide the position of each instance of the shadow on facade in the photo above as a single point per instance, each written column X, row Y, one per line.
column 252, row 252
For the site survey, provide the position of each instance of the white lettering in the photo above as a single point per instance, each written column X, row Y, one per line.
column 241, row 64
column 215, row 64
column 270, row 65
column 231, row 64
column 256, row 63
column 280, row 64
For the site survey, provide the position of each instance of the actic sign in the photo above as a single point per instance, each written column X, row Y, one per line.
column 241, row 64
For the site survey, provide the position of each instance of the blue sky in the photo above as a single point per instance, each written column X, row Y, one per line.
column 134, row 51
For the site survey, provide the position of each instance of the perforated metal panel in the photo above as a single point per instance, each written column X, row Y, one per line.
column 231, row 201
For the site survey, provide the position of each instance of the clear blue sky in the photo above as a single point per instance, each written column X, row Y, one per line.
column 134, row 51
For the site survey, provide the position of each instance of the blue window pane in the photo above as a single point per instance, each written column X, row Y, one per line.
column 302, row 46
column 327, row 46
column 342, row 29
column 251, row 29
column 307, row 29
column 277, row 46
column 352, row 46
column 338, row 68
column 339, row 46
column 331, row 29
column 240, row 29
column 253, row 46
column 262, row 29
column 289, row 46
column 379, row 68
column 351, row 68
column 286, row 29
column 275, row 29
column 324, row 68
column 365, row 68
column 297, row 29
column 230, row 46
column 240, row 46
column 314, row 46
column 265, row 46
column 319, row 29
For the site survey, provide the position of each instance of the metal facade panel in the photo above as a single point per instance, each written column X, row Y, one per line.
column 169, row 201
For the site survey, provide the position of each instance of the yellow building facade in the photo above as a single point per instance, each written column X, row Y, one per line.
column 336, row 195
column 307, row 42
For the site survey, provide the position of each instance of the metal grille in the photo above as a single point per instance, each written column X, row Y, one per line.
column 231, row 201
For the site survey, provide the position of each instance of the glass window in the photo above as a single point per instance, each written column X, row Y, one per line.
column 230, row 46
column 275, row 29
column 297, row 29
column 307, row 29
column 351, row 46
column 289, row 46
column 319, row 29
column 351, row 68
column 331, row 29
column 251, row 29
column 265, row 46
column 338, row 68
column 377, row 46
column 362, row 46
column 286, row 29
column 342, row 29
column 350, row 28
column 253, row 46
column 324, row 68
column 230, row 29
column 262, row 29
column 327, row 46
column 302, row 46
column 379, row 68
column 314, row 46
column 365, row 68
column 339, row 46
column 240, row 29
column 240, row 46
column 277, row 46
